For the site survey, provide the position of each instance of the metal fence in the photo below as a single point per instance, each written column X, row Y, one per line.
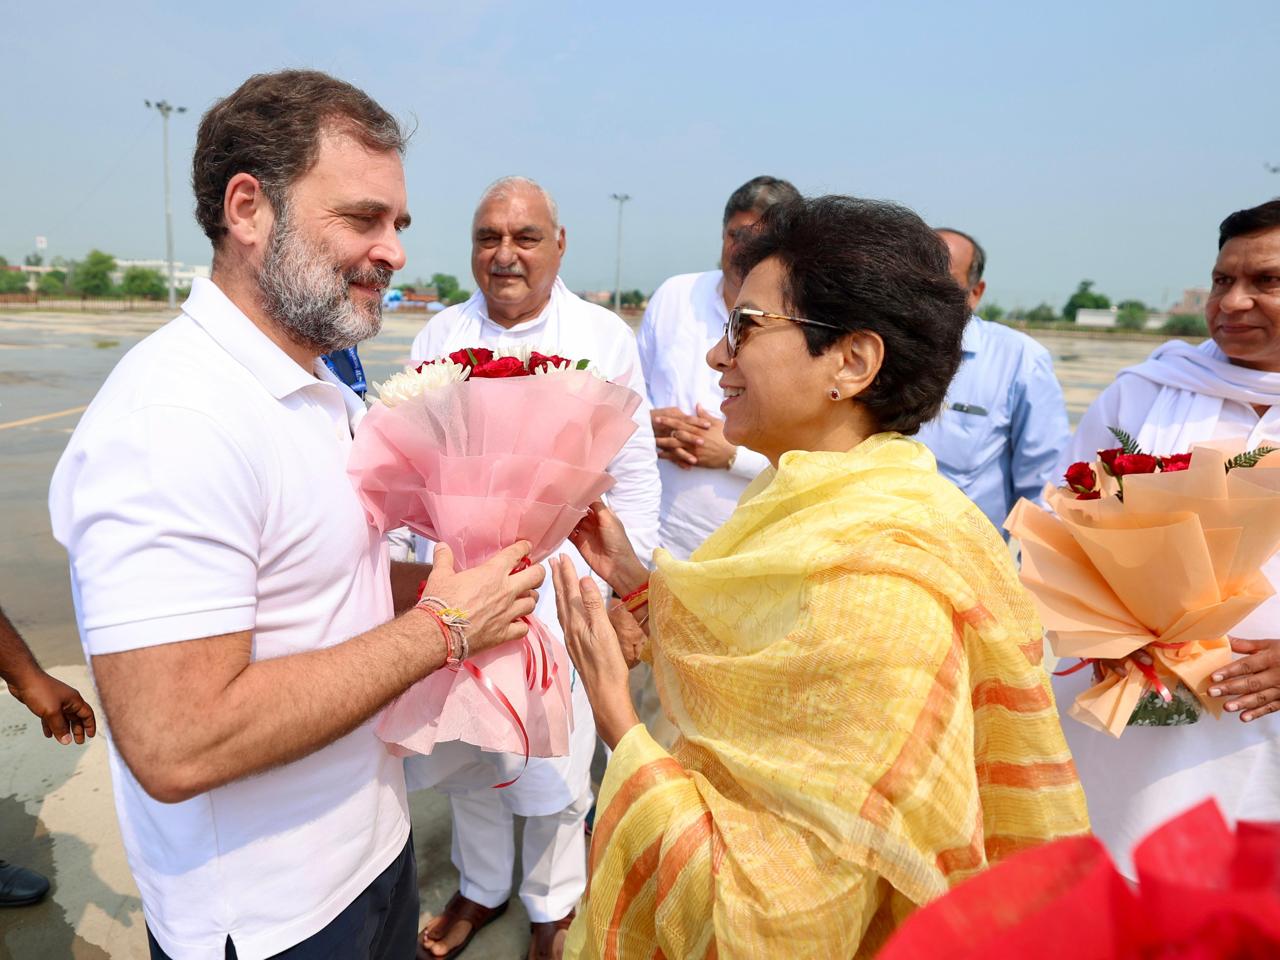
column 35, row 301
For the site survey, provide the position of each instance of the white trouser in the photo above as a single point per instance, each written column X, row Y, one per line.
column 554, row 854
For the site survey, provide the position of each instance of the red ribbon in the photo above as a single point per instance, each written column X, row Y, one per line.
column 1150, row 673
column 532, row 681
column 489, row 687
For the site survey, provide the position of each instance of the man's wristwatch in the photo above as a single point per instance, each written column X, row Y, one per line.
column 732, row 458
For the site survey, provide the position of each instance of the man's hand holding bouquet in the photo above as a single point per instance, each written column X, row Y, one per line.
column 1141, row 569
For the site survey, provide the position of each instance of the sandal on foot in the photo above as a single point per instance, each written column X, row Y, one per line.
column 460, row 910
column 543, row 945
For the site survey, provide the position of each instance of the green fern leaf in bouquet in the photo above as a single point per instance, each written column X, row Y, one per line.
column 1127, row 443
column 1249, row 458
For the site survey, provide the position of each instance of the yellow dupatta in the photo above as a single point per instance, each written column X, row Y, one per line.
column 855, row 672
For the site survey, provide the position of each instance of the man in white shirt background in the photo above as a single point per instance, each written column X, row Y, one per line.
column 517, row 246
column 1224, row 390
column 702, row 475
column 236, row 608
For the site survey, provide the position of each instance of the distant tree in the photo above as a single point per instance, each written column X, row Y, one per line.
column 12, row 281
column 33, row 260
column 1185, row 325
column 52, row 284
column 1085, row 298
column 1041, row 313
column 1131, row 314
column 990, row 311
column 632, row 298
column 91, row 277
column 144, row 282
column 447, row 288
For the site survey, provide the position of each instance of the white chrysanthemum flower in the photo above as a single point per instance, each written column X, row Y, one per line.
column 441, row 374
column 412, row 383
column 521, row 351
column 550, row 370
column 569, row 367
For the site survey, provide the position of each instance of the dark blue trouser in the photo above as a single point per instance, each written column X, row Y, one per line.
column 380, row 924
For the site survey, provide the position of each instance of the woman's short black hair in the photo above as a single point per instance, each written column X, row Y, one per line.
column 867, row 265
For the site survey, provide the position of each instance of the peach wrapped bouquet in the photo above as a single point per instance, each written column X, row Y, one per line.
column 1140, row 568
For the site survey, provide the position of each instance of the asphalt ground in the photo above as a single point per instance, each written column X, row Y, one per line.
column 56, row 811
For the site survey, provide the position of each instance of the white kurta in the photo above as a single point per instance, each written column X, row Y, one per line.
column 571, row 327
column 684, row 319
column 1178, row 397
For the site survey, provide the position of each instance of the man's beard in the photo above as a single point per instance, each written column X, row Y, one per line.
column 309, row 295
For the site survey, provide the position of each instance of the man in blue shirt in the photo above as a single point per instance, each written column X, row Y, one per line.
column 1004, row 422
column 346, row 366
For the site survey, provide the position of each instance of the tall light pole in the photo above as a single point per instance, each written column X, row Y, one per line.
column 165, row 109
column 617, row 277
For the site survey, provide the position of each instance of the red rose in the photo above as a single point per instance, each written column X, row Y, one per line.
column 1130, row 463
column 540, row 361
column 1179, row 461
column 1108, row 458
column 1081, row 478
column 1090, row 495
column 472, row 356
column 499, row 369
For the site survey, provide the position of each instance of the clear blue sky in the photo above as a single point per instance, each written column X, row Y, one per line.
column 1100, row 140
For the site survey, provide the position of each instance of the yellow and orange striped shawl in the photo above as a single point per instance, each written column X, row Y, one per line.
column 855, row 672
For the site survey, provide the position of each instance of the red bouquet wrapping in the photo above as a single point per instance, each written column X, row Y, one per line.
column 1204, row 893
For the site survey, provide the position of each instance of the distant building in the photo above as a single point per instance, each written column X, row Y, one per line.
column 603, row 298
column 182, row 273
column 1193, row 301
column 1102, row 319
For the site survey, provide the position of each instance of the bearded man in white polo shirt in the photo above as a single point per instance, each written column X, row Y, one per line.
column 236, row 608
column 517, row 245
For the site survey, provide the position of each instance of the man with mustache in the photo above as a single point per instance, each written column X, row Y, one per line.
column 517, row 244
column 1224, row 390
column 236, row 608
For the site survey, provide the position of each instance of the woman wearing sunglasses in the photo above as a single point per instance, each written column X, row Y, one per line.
column 850, row 660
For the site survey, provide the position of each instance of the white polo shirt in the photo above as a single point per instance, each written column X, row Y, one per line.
column 205, row 492
column 684, row 320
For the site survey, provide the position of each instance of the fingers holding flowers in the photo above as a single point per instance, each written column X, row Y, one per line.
column 603, row 543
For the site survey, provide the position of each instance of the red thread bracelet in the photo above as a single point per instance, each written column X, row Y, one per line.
column 638, row 591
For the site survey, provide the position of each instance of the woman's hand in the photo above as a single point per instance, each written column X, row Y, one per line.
column 603, row 543
column 593, row 645
column 1252, row 682
column 633, row 633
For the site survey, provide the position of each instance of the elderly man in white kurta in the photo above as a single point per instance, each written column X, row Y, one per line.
column 1228, row 388
column 517, row 246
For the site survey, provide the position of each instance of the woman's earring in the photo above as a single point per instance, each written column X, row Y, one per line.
column 834, row 394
